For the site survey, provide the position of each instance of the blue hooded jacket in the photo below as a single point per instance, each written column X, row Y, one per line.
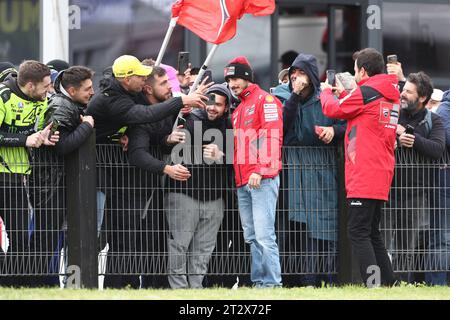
column 312, row 181
column 444, row 112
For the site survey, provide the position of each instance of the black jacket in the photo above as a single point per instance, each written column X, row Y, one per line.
column 114, row 108
column 411, row 178
column 72, row 131
column 142, row 137
column 430, row 145
column 207, row 182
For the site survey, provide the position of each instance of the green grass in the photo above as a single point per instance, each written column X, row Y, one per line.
column 404, row 292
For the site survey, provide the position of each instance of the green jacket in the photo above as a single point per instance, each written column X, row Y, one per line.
column 20, row 116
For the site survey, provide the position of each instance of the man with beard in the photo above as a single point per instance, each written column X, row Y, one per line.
column 194, row 209
column 119, row 102
column 157, row 89
column 413, row 186
column 258, row 138
column 23, row 103
column 371, row 111
column 142, row 153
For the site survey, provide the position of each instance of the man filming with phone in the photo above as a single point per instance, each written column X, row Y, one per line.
column 371, row 111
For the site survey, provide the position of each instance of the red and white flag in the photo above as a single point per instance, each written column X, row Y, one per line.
column 215, row 21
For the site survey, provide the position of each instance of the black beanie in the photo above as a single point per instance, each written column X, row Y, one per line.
column 239, row 68
column 58, row 65
column 5, row 69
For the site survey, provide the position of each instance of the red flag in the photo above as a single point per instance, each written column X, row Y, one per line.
column 215, row 20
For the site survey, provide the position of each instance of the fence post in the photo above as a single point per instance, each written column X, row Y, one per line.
column 348, row 271
column 81, row 198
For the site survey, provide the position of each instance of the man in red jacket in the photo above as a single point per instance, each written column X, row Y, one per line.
column 371, row 111
column 258, row 137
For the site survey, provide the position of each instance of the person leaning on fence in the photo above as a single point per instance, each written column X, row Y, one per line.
column 312, row 194
column 195, row 207
column 258, row 138
column 23, row 102
column 371, row 111
column 413, row 186
column 441, row 241
column 117, row 103
column 73, row 91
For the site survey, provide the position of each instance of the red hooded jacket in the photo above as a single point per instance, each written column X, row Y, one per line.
column 372, row 112
column 258, row 135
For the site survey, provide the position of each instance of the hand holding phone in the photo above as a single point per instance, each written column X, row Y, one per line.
column 392, row 58
column 409, row 129
column 54, row 128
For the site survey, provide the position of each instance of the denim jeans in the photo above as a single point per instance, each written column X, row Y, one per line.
column 257, row 208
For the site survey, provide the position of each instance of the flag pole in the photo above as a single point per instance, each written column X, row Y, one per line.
column 199, row 77
column 204, row 67
column 172, row 25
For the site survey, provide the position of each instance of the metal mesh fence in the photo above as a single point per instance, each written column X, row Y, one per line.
column 138, row 237
column 156, row 226
column 416, row 222
column 32, row 212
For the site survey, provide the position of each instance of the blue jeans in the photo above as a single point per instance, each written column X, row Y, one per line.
column 257, row 208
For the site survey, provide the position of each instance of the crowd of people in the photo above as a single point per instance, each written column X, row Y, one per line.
column 139, row 105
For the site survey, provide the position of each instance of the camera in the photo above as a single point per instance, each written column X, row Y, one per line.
column 392, row 58
column 331, row 76
column 183, row 62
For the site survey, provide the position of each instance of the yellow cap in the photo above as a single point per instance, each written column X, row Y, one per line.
column 126, row 66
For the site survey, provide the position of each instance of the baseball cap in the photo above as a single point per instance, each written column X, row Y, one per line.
column 126, row 66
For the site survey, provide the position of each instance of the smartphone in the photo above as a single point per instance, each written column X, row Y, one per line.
column 318, row 130
column 331, row 76
column 392, row 58
column 409, row 129
column 181, row 121
column 54, row 128
column 211, row 99
column 208, row 74
column 271, row 90
column 183, row 61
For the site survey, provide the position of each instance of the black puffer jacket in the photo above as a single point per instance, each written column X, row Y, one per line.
column 114, row 108
column 72, row 131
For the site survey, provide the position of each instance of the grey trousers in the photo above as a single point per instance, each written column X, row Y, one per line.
column 193, row 227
